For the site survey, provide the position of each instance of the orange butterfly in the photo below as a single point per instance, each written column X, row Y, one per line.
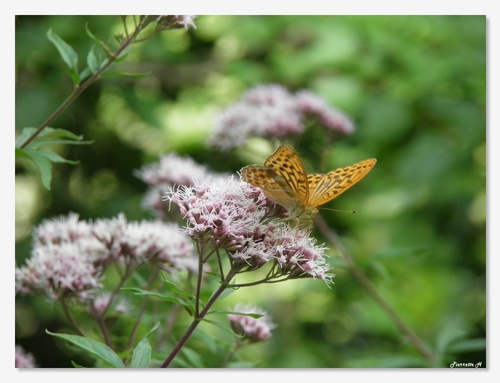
column 284, row 179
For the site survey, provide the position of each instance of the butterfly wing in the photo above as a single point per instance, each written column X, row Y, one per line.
column 286, row 163
column 325, row 187
column 283, row 178
column 271, row 184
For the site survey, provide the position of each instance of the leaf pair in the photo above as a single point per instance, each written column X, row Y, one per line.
column 43, row 158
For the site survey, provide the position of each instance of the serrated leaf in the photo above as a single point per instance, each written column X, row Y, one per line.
column 175, row 289
column 43, row 164
column 141, row 357
column 53, row 157
column 43, row 160
column 95, row 348
column 49, row 135
column 68, row 54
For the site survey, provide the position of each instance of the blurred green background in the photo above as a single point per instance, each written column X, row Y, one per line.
column 416, row 89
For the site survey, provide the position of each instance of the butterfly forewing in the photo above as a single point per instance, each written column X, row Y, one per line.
column 271, row 184
column 287, row 164
column 325, row 187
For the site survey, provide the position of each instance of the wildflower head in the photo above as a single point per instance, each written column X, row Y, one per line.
column 271, row 111
column 161, row 176
column 63, row 270
column 327, row 116
column 250, row 328
column 223, row 211
column 160, row 243
column 239, row 219
column 70, row 256
column 175, row 22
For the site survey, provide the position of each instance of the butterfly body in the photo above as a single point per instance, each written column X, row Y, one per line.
column 283, row 179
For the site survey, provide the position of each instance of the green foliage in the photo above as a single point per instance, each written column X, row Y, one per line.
column 141, row 356
column 93, row 347
column 177, row 296
column 68, row 54
column 43, row 159
column 416, row 89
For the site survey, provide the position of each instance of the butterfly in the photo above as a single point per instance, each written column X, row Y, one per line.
column 283, row 179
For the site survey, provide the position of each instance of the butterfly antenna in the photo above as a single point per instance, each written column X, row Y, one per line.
column 339, row 211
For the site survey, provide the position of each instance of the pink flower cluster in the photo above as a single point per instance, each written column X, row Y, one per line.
column 238, row 218
column 161, row 176
column 70, row 256
column 272, row 111
column 253, row 329
column 176, row 21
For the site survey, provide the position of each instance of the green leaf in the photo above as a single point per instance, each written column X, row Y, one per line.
column 95, row 348
column 40, row 144
column 43, row 164
column 100, row 43
column 86, row 73
column 220, row 325
column 256, row 316
column 67, row 53
column 51, row 136
column 23, row 137
column 186, row 304
column 53, row 157
column 141, row 357
column 92, row 60
column 175, row 289
column 43, row 160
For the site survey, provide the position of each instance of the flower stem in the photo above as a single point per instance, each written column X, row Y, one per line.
column 112, row 57
column 370, row 288
column 197, row 319
column 70, row 317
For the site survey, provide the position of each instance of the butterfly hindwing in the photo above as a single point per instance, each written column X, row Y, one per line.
column 325, row 187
